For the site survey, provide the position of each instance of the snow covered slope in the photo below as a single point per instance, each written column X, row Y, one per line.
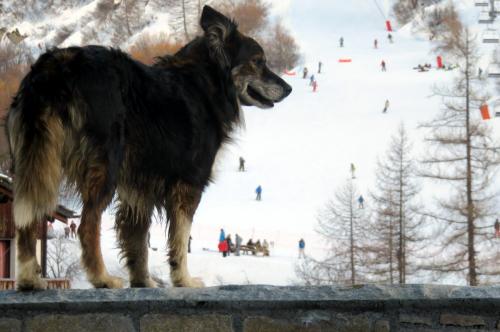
column 301, row 150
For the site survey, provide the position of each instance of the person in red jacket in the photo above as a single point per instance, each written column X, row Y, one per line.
column 223, row 247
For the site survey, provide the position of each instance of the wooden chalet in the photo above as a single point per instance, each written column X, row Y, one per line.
column 8, row 234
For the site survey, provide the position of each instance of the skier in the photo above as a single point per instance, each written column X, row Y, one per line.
column 497, row 229
column 311, row 80
column 382, row 64
column 386, row 106
column 361, row 201
column 389, row 36
column 302, row 246
column 242, row 165
column 229, row 244
column 353, row 169
column 315, row 85
column 238, row 241
column 320, row 64
column 341, row 41
column 258, row 191
column 304, row 72
column 375, row 43
column 73, row 229
column 222, row 235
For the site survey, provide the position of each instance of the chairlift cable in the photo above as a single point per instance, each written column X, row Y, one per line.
column 380, row 10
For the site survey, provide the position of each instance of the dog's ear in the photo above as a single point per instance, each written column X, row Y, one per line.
column 217, row 28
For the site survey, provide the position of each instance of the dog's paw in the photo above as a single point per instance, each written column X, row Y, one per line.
column 108, row 281
column 192, row 283
column 36, row 283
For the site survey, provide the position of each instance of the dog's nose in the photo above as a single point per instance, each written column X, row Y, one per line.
column 287, row 90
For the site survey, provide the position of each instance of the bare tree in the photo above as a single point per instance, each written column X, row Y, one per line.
column 126, row 19
column 396, row 226
column 463, row 154
column 282, row 51
column 341, row 225
column 185, row 15
column 62, row 258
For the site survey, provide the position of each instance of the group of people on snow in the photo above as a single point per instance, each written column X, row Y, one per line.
column 227, row 246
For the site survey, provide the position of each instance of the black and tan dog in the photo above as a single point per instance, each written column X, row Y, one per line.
column 104, row 123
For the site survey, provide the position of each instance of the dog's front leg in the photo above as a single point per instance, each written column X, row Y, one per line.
column 182, row 203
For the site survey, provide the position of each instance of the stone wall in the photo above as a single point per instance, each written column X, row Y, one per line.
column 255, row 308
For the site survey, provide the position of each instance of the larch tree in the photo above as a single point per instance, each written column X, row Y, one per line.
column 462, row 153
column 396, row 226
column 341, row 224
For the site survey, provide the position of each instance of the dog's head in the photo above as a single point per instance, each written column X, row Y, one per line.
column 257, row 85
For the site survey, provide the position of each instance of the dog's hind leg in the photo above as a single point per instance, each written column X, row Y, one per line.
column 36, row 150
column 132, row 225
column 182, row 202
column 97, row 192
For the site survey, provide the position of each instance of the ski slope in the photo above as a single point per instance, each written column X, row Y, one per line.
column 301, row 150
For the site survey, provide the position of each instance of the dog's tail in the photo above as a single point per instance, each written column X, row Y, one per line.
column 36, row 138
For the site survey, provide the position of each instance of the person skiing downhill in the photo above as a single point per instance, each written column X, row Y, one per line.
column 302, row 246
column 242, row 165
column 382, row 65
column 389, row 36
column 386, row 106
column 320, row 64
column 361, row 201
column 304, row 72
column 258, row 191
column 311, row 80
column 375, row 43
column 341, row 41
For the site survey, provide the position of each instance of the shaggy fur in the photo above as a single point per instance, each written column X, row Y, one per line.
column 109, row 124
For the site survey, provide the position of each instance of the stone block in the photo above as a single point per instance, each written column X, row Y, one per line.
column 462, row 320
column 339, row 323
column 415, row 319
column 186, row 323
column 80, row 323
column 10, row 325
column 382, row 326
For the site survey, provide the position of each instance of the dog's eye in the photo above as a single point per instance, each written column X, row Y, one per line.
column 259, row 62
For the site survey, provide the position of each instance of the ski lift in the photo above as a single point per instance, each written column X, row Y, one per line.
column 496, row 6
column 494, row 70
column 491, row 36
column 486, row 17
column 482, row 3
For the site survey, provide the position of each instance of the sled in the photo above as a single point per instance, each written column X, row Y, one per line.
column 485, row 113
column 345, row 60
column 289, row 73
